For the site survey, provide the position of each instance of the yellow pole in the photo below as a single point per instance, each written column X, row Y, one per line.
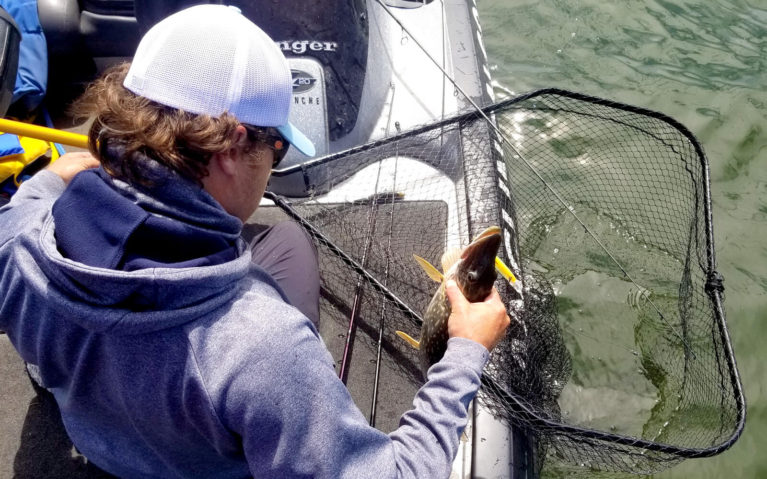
column 43, row 133
column 501, row 267
column 81, row 141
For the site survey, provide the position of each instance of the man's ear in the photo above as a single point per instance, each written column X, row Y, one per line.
column 226, row 161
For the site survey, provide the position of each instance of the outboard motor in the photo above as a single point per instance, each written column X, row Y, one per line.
column 10, row 38
column 326, row 44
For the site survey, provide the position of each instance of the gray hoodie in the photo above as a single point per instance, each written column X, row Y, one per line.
column 203, row 371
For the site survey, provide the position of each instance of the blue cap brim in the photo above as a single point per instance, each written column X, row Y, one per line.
column 297, row 139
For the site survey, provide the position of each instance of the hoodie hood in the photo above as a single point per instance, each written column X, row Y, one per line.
column 107, row 223
column 95, row 257
column 133, row 302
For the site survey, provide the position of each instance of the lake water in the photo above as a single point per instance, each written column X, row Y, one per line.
column 703, row 63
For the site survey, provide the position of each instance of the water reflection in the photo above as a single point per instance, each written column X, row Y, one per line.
column 705, row 64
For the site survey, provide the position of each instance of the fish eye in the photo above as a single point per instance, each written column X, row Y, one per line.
column 473, row 276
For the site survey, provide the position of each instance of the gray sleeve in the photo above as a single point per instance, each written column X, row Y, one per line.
column 432, row 429
column 45, row 184
column 297, row 419
column 30, row 202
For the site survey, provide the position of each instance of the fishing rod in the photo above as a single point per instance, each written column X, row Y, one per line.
column 351, row 332
column 382, row 320
column 504, row 139
column 358, row 291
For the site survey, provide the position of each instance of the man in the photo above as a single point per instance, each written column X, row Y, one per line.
column 169, row 351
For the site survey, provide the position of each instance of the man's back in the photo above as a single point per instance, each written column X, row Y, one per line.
column 128, row 381
column 221, row 379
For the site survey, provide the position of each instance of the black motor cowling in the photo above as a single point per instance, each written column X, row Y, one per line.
column 333, row 32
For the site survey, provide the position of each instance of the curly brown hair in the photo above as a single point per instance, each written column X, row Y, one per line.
column 182, row 141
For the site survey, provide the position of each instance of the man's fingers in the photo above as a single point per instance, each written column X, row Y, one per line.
column 485, row 322
column 493, row 296
column 494, row 299
column 89, row 161
column 69, row 164
column 84, row 158
column 457, row 300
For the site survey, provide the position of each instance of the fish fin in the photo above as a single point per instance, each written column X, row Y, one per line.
column 412, row 342
column 501, row 267
column 450, row 258
column 430, row 270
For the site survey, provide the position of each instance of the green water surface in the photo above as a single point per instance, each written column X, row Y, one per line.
column 704, row 63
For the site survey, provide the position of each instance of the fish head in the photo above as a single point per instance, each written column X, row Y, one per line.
column 475, row 273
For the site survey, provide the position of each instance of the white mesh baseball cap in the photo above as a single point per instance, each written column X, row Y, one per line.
column 210, row 59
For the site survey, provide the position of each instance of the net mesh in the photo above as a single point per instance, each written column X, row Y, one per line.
column 620, row 359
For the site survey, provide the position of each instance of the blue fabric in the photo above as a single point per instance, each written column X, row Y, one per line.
column 126, row 236
column 10, row 145
column 49, row 123
column 32, row 77
column 204, row 371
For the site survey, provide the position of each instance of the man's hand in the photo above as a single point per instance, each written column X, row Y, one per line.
column 484, row 322
column 73, row 163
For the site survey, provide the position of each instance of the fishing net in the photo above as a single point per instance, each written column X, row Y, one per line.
column 620, row 359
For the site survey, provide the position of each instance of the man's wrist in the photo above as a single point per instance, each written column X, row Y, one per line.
column 467, row 353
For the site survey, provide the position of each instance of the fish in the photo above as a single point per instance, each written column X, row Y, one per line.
column 474, row 270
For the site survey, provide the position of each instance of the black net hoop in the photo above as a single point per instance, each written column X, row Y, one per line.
column 621, row 360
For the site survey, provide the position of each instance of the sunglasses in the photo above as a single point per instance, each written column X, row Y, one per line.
column 271, row 138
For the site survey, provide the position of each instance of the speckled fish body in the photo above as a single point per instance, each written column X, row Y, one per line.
column 474, row 272
column 434, row 330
